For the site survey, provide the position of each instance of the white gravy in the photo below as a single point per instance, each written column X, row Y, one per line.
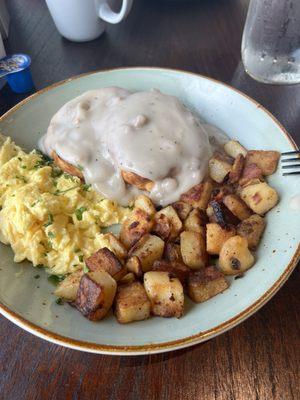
column 150, row 133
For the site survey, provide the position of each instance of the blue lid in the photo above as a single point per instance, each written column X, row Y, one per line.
column 14, row 63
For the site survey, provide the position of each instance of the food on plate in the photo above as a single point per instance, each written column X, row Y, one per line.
column 189, row 205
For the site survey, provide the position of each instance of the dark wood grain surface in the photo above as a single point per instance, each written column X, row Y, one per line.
column 260, row 359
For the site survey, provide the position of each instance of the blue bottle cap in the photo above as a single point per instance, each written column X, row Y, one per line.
column 16, row 69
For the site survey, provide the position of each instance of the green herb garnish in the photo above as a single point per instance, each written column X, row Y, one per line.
column 77, row 250
column 80, row 258
column 19, row 158
column 80, row 167
column 59, row 301
column 79, row 213
column 56, row 279
column 85, row 269
column 86, row 187
column 51, row 235
column 58, row 192
column 50, row 221
column 23, row 166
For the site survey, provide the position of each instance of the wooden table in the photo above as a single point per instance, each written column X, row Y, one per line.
column 257, row 360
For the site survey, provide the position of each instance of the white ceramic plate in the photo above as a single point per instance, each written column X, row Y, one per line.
column 28, row 302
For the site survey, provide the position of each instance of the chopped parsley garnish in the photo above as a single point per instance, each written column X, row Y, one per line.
column 23, row 166
column 59, row 301
column 67, row 176
column 50, row 221
column 51, row 235
column 56, row 279
column 56, row 171
column 77, row 250
column 80, row 167
column 85, row 269
column 19, row 158
column 130, row 207
column 79, row 213
column 58, row 192
column 86, row 187
column 81, row 258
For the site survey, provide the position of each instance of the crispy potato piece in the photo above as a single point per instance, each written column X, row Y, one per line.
column 216, row 236
column 252, row 229
column 105, row 260
column 250, row 172
column 148, row 249
column 233, row 148
column 172, row 252
column 144, row 203
column 65, row 166
column 205, row 284
column 165, row 293
column 128, row 278
column 175, row 268
column 96, row 294
column 221, row 214
column 183, row 209
column 67, row 289
column 237, row 206
column 198, row 196
column 219, row 167
column 116, row 246
column 260, row 197
column 235, row 257
column 137, row 224
column 162, row 226
column 218, row 193
column 196, row 221
column 132, row 303
column 193, row 251
column 138, row 181
column 266, row 160
column 174, row 224
column 134, row 265
column 237, row 169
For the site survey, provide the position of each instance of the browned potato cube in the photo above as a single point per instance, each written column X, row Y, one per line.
column 134, row 265
column 233, row 148
column 216, row 236
column 131, row 303
column 105, row 260
column 196, row 221
column 219, row 167
column 116, row 246
column 165, row 294
column 144, row 203
column 259, row 197
column 235, row 257
column 95, row 295
column 162, row 226
column 137, row 224
column 136, row 180
column 175, row 268
column 252, row 229
column 65, row 166
column 205, row 284
column 128, row 278
column 172, row 252
column 183, row 209
column 237, row 206
column 148, row 249
column 193, row 251
column 67, row 289
column 198, row 196
column 250, row 172
column 173, row 221
column 237, row 169
column 266, row 160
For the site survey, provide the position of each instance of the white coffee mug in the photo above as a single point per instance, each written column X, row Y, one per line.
column 83, row 20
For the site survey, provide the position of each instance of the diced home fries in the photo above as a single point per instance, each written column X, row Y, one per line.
column 161, row 254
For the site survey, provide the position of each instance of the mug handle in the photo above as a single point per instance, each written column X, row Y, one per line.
column 108, row 15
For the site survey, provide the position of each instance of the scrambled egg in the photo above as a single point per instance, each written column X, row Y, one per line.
column 49, row 217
